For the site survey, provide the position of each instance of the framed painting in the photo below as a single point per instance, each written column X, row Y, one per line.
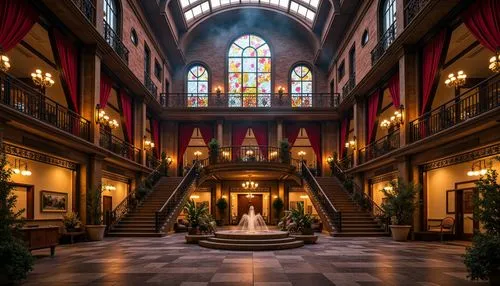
column 53, row 202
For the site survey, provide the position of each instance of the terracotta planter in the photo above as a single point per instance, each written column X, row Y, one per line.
column 400, row 232
column 95, row 232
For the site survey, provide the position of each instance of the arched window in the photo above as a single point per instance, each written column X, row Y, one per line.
column 249, row 74
column 111, row 13
column 387, row 16
column 301, row 83
column 197, row 86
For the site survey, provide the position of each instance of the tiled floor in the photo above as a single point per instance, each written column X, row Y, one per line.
column 332, row 261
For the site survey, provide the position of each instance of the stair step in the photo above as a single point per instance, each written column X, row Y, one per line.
column 359, row 234
column 248, row 246
column 135, row 234
column 253, row 241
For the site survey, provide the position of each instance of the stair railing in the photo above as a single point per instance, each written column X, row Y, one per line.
column 320, row 196
column 361, row 198
column 179, row 195
column 131, row 201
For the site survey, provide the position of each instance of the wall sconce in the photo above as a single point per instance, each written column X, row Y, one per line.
column 108, row 187
column 456, row 81
column 304, row 196
column 495, row 62
column 351, row 143
column 275, row 197
column 225, row 153
column 18, row 168
column 329, row 159
column 273, row 154
column 281, row 89
column 4, row 63
column 197, row 154
column 218, row 89
column 249, row 153
column 395, row 120
column 169, row 160
column 479, row 168
column 388, row 188
column 104, row 120
column 224, row 196
column 301, row 154
column 194, row 197
column 40, row 79
column 148, row 144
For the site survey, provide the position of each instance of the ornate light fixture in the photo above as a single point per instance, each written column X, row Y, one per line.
column 250, row 185
column 304, row 196
column 148, row 144
column 394, row 120
column 19, row 170
column 104, row 120
column 479, row 168
column 495, row 62
column 351, row 143
column 194, row 197
column 197, row 154
column 456, row 81
column 4, row 63
column 42, row 80
column 249, row 153
column 301, row 154
column 108, row 187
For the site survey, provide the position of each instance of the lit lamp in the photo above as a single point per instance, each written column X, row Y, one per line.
column 495, row 62
column 197, row 154
column 148, row 144
column 351, row 143
column 18, row 169
column 194, row 197
column 395, row 120
column 304, row 196
column 42, row 80
column 249, row 185
column 281, row 90
column 108, row 187
column 301, row 154
column 329, row 159
column 4, row 63
column 169, row 160
column 456, row 81
column 218, row 89
column 249, row 153
column 104, row 120
column 478, row 168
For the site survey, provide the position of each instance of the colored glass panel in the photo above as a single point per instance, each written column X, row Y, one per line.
column 197, row 87
column 301, row 86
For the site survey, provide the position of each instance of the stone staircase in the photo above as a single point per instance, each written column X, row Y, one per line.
column 355, row 221
column 141, row 221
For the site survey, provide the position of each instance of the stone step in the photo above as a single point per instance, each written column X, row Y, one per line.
column 135, row 234
column 359, row 234
column 134, row 226
column 251, row 246
column 361, row 229
column 133, row 229
column 253, row 241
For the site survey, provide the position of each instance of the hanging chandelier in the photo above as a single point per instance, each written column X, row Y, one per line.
column 19, row 170
column 42, row 80
column 456, row 81
column 104, row 120
column 4, row 63
column 478, row 168
column 250, row 185
column 495, row 62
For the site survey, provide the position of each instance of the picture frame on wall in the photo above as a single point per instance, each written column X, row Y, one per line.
column 53, row 202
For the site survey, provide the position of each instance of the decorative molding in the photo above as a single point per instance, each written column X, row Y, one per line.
column 115, row 177
column 385, row 177
column 384, row 170
column 36, row 156
column 464, row 157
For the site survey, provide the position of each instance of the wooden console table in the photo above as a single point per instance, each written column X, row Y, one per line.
column 41, row 237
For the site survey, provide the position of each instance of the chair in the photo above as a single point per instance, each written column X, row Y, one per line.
column 446, row 226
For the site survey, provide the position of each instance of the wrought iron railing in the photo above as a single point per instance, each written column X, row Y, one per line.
column 385, row 41
column 347, row 162
column 268, row 100
column 482, row 98
column 177, row 199
column 115, row 42
column 380, row 147
column 119, row 146
column 150, row 85
column 334, row 216
column 249, row 154
column 134, row 198
column 87, row 8
column 349, row 86
column 23, row 98
column 413, row 7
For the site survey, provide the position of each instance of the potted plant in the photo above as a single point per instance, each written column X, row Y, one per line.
column 285, row 151
column 278, row 206
column 16, row 260
column 302, row 220
column 399, row 206
column 222, row 206
column 95, row 228
column 193, row 214
column 71, row 222
column 482, row 259
column 213, row 151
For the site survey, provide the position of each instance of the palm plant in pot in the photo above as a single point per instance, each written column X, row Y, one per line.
column 222, row 206
column 302, row 220
column 285, row 151
column 399, row 206
column 483, row 258
column 213, row 151
column 194, row 213
column 95, row 227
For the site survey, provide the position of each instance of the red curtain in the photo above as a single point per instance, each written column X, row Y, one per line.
column 292, row 132
column 127, row 118
column 260, row 132
column 373, row 101
column 314, row 135
column 67, row 59
column 238, row 135
column 185, row 133
column 482, row 18
column 17, row 17
column 344, row 128
column 207, row 132
column 431, row 57
column 394, row 90
column 155, row 126
column 105, row 90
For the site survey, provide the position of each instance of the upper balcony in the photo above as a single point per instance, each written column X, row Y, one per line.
column 349, row 85
column 87, row 7
column 149, row 84
column 385, row 41
column 381, row 147
column 115, row 42
column 413, row 8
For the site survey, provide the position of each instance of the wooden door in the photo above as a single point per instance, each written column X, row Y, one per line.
column 244, row 204
column 465, row 225
column 107, row 207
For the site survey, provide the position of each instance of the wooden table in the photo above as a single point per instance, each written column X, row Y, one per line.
column 41, row 237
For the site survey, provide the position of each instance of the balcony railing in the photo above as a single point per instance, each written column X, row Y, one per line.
column 248, row 154
column 380, row 147
column 349, row 86
column 115, row 42
column 347, row 162
column 384, row 43
column 482, row 98
column 87, row 8
column 23, row 98
column 269, row 101
column 413, row 8
column 118, row 146
column 150, row 85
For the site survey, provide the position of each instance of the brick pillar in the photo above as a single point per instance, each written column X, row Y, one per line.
column 99, row 16
column 90, row 90
column 359, row 127
column 409, row 93
column 140, row 128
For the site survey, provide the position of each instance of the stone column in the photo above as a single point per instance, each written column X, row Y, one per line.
column 408, row 86
column 169, row 144
column 279, row 131
column 220, row 131
column 329, row 140
column 91, row 179
column 140, row 128
column 90, row 90
column 359, row 127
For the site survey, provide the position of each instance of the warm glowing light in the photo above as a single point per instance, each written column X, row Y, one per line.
column 301, row 153
column 495, row 63
column 304, row 197
column 104, row 120
column 275, row 197
column 329, row 159
column 4, row 63
column 194, row 197
column 249, row 152
column 456, row 81
column 249, row 185
column 281, row 89
column 42, row 80
column 197, row 153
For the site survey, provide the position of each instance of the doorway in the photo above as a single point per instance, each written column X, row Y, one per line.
column 25, row 200
column 465, row 225
column 107, row 208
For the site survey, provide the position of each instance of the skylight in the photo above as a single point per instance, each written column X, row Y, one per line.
column 305, row 10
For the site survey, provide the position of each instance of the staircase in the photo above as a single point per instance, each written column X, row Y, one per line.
column 140, row 222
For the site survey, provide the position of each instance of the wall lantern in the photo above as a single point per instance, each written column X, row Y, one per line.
column 4, row 63
column 104, row 120
column 456, row 81
column 495, row 62
column 148, row 144
column 395, row 120
column 351, row 143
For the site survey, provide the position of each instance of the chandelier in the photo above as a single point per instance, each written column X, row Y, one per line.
column 351, row 143
column 4, row 63
column 108, row 187
column 456, row 81
column 42, row 80
column 148, row 144
column 478, row 168
column 19, row 170
column 104, row 120
column 250, row 185
column 395, row 120
column 495, row 62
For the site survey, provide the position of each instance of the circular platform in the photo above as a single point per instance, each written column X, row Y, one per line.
column 242, row 240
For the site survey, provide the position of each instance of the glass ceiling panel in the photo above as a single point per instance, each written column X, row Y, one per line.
column 305, row 10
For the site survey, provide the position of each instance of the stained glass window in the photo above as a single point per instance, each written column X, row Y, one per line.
column 301, row 86
column 197, row 86
column 249, row 75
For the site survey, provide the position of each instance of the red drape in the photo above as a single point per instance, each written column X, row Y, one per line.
column 260, row 133
column 127, row 118
column 431, row 58
column 105, row 90
column 207, row 132
column 394, row 90
column 238, row 135
column 314, row 135
column 373, row 101
column 185, row 133
column 67, row 59
column 292, row 132
column 482, row 19
column 155, row 126
column 344, row 128
column 17, row 17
